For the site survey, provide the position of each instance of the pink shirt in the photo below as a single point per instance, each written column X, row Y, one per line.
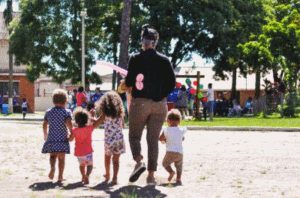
column 79, row 99
column 83, row 140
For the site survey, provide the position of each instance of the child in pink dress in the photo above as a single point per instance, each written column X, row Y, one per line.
column 83, row 141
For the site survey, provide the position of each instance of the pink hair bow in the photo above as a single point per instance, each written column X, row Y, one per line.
column 139, row 82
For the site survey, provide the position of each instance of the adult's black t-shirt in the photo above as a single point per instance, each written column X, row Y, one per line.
column 159, row 77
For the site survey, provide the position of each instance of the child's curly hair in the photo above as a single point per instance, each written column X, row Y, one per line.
column 81, row 116
column 111, row 105
column 174, row 115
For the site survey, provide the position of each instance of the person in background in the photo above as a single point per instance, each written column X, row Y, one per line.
column 191, row 98
column 74, row 99
column 24, row 107
column 1, row 102
column 182, row 101
column 88, row 94
column 173, row 96
column 97, row 95
column 247, row 106
column 81, row 98
column 15, row 101
column 210, row 95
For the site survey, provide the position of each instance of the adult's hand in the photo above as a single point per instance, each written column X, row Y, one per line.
column 123, row 86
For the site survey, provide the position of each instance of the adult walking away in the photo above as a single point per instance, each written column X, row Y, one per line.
column 151, row 78
column 210, row 95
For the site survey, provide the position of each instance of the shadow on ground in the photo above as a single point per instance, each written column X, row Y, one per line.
column 40, row 186
column 136, row 191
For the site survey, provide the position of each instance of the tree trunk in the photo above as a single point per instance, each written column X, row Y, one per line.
column 275, row 75
column 10, row 84
column 233, row 87
column 114, row 76
column 257, row 85
column 124, row 37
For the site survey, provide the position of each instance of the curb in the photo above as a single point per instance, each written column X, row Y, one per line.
column 259, row 129
column 191, row 128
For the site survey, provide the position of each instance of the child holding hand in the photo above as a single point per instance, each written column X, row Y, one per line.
column 110, row 106
column 173, row 136
column 83, row 141
column 56, row 140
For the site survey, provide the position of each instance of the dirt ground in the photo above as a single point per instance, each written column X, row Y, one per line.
column 216, row 164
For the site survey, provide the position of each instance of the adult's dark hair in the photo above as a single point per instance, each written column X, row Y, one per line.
column 209, row 85
column 81, row 116
column 149, row 35
column 80, row 89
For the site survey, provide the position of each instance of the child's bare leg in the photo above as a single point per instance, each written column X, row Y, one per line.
column 88, row 172
column 116, row 168
column 61, row 165
column 178, row 165
column 82, row 171
column 171, row 172
column 52, row 165
column 107, row 166
column 178, row 179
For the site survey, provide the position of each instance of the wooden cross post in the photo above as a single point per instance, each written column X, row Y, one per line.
column 197, row 98
column 198, row 76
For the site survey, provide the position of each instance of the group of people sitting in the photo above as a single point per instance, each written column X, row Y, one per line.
column 232, row 108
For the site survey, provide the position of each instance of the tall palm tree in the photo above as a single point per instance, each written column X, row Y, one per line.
column 8, row 16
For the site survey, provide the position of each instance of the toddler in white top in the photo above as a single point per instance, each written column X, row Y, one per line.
column 173, row 136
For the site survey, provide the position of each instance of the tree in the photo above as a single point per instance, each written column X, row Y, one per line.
column 8, row 15
column 258, row 58
column 284, row 34
column 47, row 39
column 236, row 23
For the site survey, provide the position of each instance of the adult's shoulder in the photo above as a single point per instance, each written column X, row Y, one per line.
column 162, row 56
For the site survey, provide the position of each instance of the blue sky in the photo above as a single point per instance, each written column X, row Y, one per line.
column 196, row 59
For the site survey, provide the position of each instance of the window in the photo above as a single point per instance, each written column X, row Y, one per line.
column 4, row 88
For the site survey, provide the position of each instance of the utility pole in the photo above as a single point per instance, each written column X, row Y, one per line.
column 83, row 14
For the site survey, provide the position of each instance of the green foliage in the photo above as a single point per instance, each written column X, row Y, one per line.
column 47, row 38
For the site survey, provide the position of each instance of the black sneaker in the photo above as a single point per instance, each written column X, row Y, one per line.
column 138, row 170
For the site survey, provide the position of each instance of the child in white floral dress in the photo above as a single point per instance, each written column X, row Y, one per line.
column 111, row 106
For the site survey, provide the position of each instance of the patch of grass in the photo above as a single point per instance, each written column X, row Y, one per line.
column 41, row 173
column 129, row 194
column 170, row 185
column 203, row 178
column 7, row 172
column 271, row 121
